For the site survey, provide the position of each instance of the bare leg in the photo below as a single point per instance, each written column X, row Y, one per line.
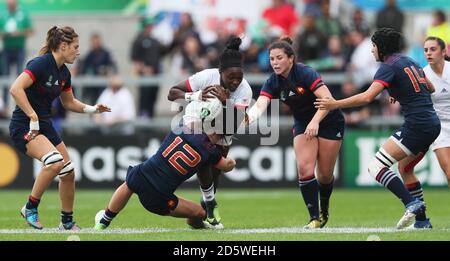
column 209, row 175
column 306, row 152
column 190, row 210
column 37, row 148
column 412, row 183
column 120, row 198
column 407, row 174
column 443, row 155
column 66, row 184
column 326, row 161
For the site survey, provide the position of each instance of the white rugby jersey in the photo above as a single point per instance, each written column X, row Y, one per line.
column 240, row 98
column 441, row 97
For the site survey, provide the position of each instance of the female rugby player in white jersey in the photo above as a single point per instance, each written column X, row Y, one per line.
column 438, row 72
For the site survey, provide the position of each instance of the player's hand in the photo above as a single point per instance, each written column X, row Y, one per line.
column 221, row 93
column 232, row 164
column 246, row 120
column 206, row 93
column 392, row 100
column 311, row 130
column 102, row 108
column 325, row 103
column 34, row 128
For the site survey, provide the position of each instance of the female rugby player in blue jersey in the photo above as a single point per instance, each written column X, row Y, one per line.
column 45, row 78
column 182, row 153
column 317, row 133
column 405, row 81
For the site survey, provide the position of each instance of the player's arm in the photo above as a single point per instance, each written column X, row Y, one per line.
column 182, row 91
column 430, row 86
column 328, row 103
column 313, row 126
column 70, row 103
column 225, row 164
column 17, row 91
column 321, row 92
column 257, row 109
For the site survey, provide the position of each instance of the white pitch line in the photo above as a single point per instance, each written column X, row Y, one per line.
column 300, row 230
column 279, row 230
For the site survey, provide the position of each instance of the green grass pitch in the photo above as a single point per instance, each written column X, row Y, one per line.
column 248, row 214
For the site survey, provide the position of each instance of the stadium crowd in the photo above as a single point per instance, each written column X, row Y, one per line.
column 321, row 40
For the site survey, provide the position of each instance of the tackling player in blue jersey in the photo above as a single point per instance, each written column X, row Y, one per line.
column 317, row 133
column 182, row 153
column 405, row 81
column 45, row 78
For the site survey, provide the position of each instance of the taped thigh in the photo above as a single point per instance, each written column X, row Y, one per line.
column 52, row 158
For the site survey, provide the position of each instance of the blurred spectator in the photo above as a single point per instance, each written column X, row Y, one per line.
column 331, row 59
column 312, row 7
column 415, row 50
column 358, row 23
column 15, row 27
column 256, row 59
column 98, row 62
column 213, row 50
column 440, row 27
column 186, row 28
column 326, row 24
column 281, row 17
column 123, row 111
column 146, row 54
column 362, row 66
column 190, row 59
column 310, row 43
column 355, row 115
column 390, row 16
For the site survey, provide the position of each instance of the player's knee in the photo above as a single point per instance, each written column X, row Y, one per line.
column 69, row 177
column 199, row 212
column 375, row 167
column 381, row 160
column 446, row 169
column 408, row 168
column 404, row 170
column 53, row 160
column 305, row 170
column 66, row 172
column 56, row 167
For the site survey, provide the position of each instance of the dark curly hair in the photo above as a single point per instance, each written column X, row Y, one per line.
column 231, row 56
column 388, row 41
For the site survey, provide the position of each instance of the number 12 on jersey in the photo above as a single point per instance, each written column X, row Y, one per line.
column 415, row 77
column 179, row 154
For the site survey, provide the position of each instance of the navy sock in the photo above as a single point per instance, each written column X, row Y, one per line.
column 108, row 217
column 32, row 202
column 415, row 189
column 310, row 190
column 389, row 179
column 325, row 191
column 66, row 217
